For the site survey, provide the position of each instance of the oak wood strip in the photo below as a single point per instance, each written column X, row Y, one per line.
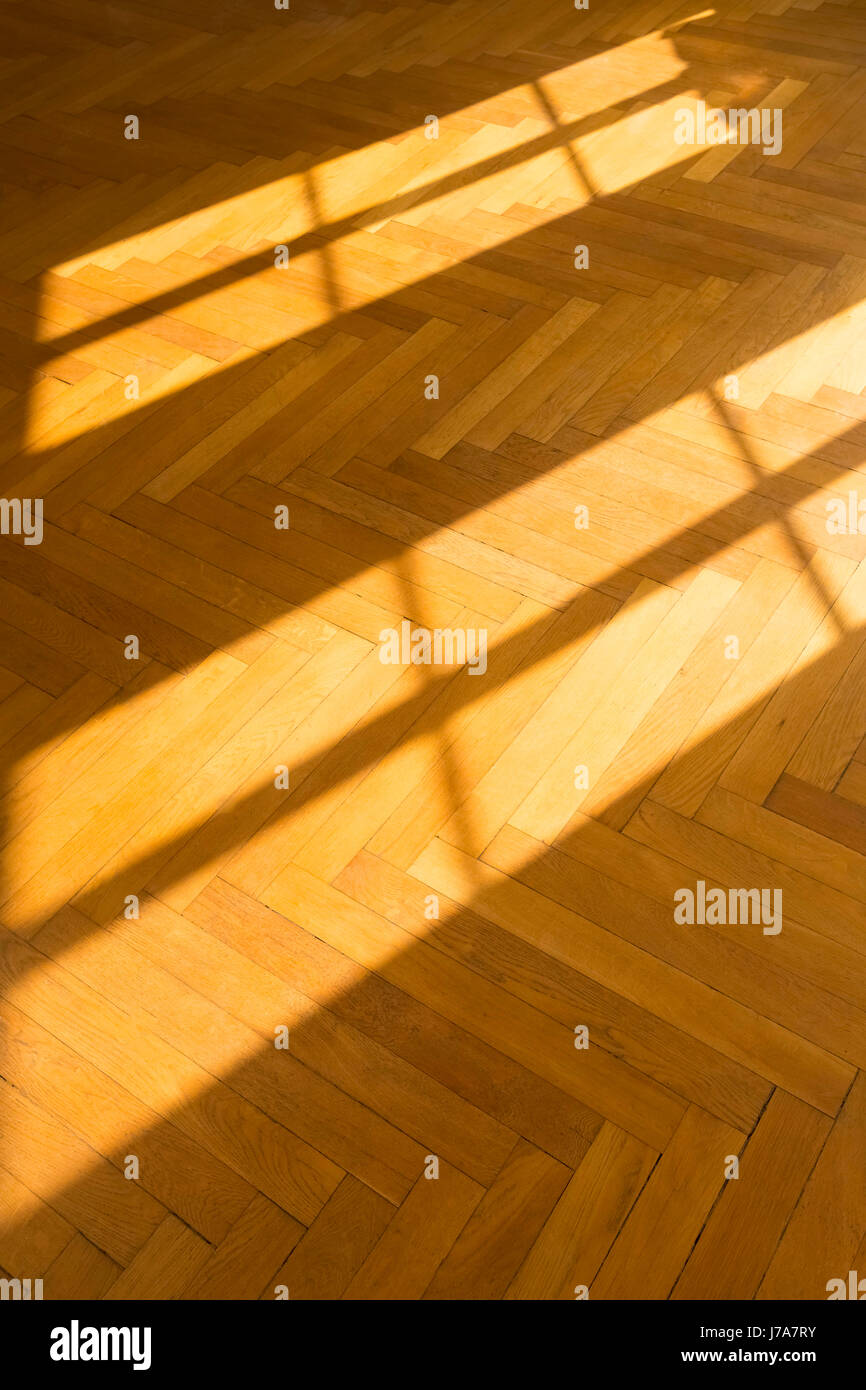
column 33, row 1234
column 336, row 1244
column 738, row 1241
column 573, row 1242
column 163, row 1265
column 253, row 1250
column 827, row 1226
column 670, row 1211
column 81, row 1270
column 818, row 810
column 485, row 1255
column 417, row 1238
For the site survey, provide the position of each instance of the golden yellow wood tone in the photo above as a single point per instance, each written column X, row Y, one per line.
column 330, row 976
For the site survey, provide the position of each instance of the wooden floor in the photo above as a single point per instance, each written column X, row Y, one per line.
column 623, row 480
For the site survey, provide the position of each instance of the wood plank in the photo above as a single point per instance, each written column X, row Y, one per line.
column 572, row 1244
column 243, row 1263
column 299, row 366
column 737, row 1243
column 668, row 1215
column 336, row 1245
column 417, row 1238
column 482, row 1261
column 827, row 1226
column 163, row 1266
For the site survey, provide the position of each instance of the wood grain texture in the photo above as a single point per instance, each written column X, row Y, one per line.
column 324, row 976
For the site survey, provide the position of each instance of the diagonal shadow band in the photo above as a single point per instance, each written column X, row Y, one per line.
column 19, row 952
column 542, row 251
column 85, row 468
column 211, row 840
column 324, row 232
column 579, row 966
column 296, row 131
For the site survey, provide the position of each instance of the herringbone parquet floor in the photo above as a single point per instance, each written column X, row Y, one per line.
column 335, row 273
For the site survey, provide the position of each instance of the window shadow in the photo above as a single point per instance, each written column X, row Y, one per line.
column 390, row 1028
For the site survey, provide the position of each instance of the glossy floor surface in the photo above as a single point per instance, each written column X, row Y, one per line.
column 339, row 976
